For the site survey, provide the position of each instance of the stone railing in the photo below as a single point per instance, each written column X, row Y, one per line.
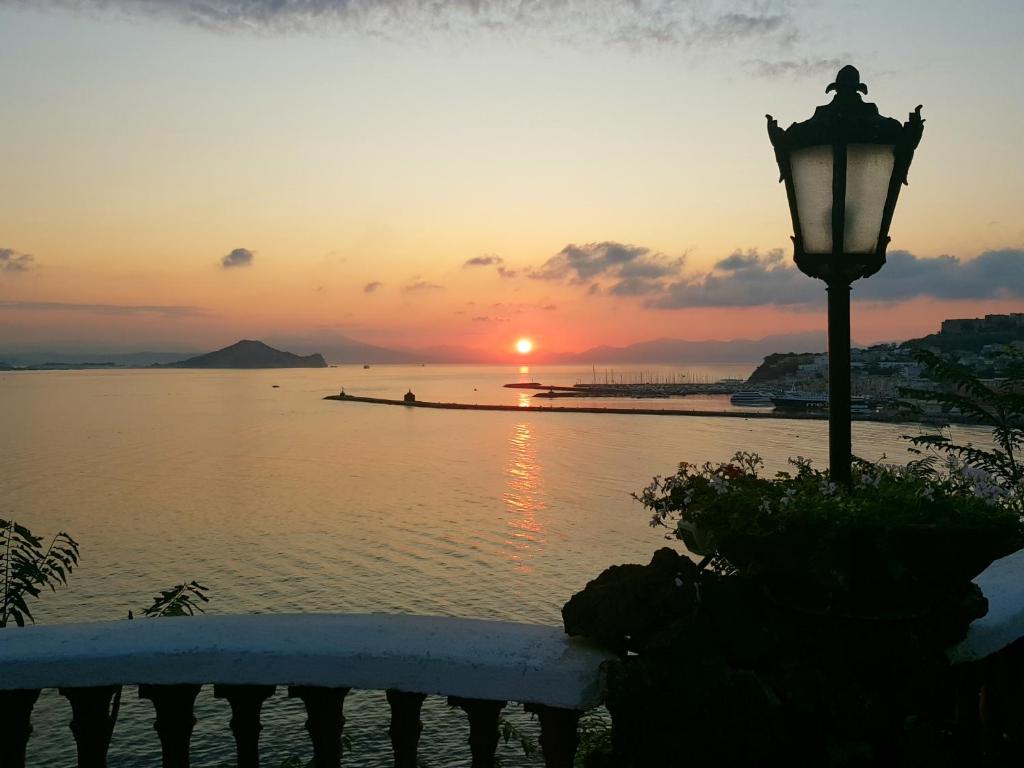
column 479, row 665
column 989, row 682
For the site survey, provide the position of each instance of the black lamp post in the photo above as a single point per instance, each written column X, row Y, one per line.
column 843, row 170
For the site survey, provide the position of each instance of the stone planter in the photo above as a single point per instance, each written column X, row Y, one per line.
column 869, row 570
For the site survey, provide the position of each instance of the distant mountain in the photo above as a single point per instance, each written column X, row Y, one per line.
column 337, row 348
column 41, row 358
column 680, row 351
column 250, row 354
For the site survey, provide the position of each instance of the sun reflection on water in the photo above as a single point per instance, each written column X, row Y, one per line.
column 524, row 497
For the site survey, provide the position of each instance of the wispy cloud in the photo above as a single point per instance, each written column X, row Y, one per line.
column 487, row 260
column 782, row 68
column 240, row 257
column 14, row 261
column 491, row 260
column 372, row 287
column 422, row 286
column 636, row 22
column 163, row 310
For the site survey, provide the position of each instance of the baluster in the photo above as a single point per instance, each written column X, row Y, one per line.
column 483, row 728
column 15, row 726
column 174, row 720
column 558, row 737
column 325, row 721
column 405, row 726
column 246, row 702
column 92, row 722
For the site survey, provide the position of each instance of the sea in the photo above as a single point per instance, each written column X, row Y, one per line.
column 277, row 500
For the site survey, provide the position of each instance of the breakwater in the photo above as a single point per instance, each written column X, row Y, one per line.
column 811, row 415
column 579, row 409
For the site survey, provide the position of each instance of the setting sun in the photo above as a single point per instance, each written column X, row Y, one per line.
column 524, row 346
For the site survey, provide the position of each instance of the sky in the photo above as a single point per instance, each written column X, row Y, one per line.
column 179, row 174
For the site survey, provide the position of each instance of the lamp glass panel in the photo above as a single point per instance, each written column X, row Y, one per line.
column 812, row 182
column 868, row 172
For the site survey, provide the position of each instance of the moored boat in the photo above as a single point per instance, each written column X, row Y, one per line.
column 798, row 401
column 751, row 398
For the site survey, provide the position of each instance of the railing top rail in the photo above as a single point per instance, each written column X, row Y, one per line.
column 472, row 658
column 1002, row 583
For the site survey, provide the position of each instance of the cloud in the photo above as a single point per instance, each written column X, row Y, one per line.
column 372, row 286
column 742, row 279
column 750, row 278
column 636, row 286
column 487, row 319
column 422, row 286
column 754, row 278
column 637, row 22
column 240, row 257
column 162, row 310
column 738, row 26
column 491, row 260
column 486, row 260
column 997, row 274
column 793, row 68
column 13, row 261
column 583, row 263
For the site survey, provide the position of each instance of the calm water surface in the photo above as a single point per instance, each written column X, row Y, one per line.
column 280, row 501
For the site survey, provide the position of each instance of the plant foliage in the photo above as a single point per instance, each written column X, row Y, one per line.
column 181, row 600
column 29, row 565
column 999, row 405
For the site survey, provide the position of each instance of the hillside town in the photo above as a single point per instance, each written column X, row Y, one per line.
column 985, row 345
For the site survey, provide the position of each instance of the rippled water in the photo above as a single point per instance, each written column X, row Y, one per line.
column 280, row 501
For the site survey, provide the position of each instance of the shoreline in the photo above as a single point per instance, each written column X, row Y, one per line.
column 618, row 411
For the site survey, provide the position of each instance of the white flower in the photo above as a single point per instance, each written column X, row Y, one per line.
column 871, row 480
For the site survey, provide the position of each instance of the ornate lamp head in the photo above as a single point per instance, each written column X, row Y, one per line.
column 843, row 169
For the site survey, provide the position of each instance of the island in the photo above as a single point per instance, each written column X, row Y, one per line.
column 249, row 354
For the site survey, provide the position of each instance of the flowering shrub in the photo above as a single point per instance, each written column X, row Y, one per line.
column 895, row 542
column 734, row 497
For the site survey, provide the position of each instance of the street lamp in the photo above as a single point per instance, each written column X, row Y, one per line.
column 843, row 171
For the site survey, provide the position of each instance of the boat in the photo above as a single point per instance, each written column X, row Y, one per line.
column 859, row 404
column 799, row 401
column 751, row 398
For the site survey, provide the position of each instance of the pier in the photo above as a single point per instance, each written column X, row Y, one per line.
column 635, row 389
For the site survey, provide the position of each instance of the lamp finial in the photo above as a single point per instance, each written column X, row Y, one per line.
column 847, row 83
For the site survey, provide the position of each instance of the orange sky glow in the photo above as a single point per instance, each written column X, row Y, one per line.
column 177, row 186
